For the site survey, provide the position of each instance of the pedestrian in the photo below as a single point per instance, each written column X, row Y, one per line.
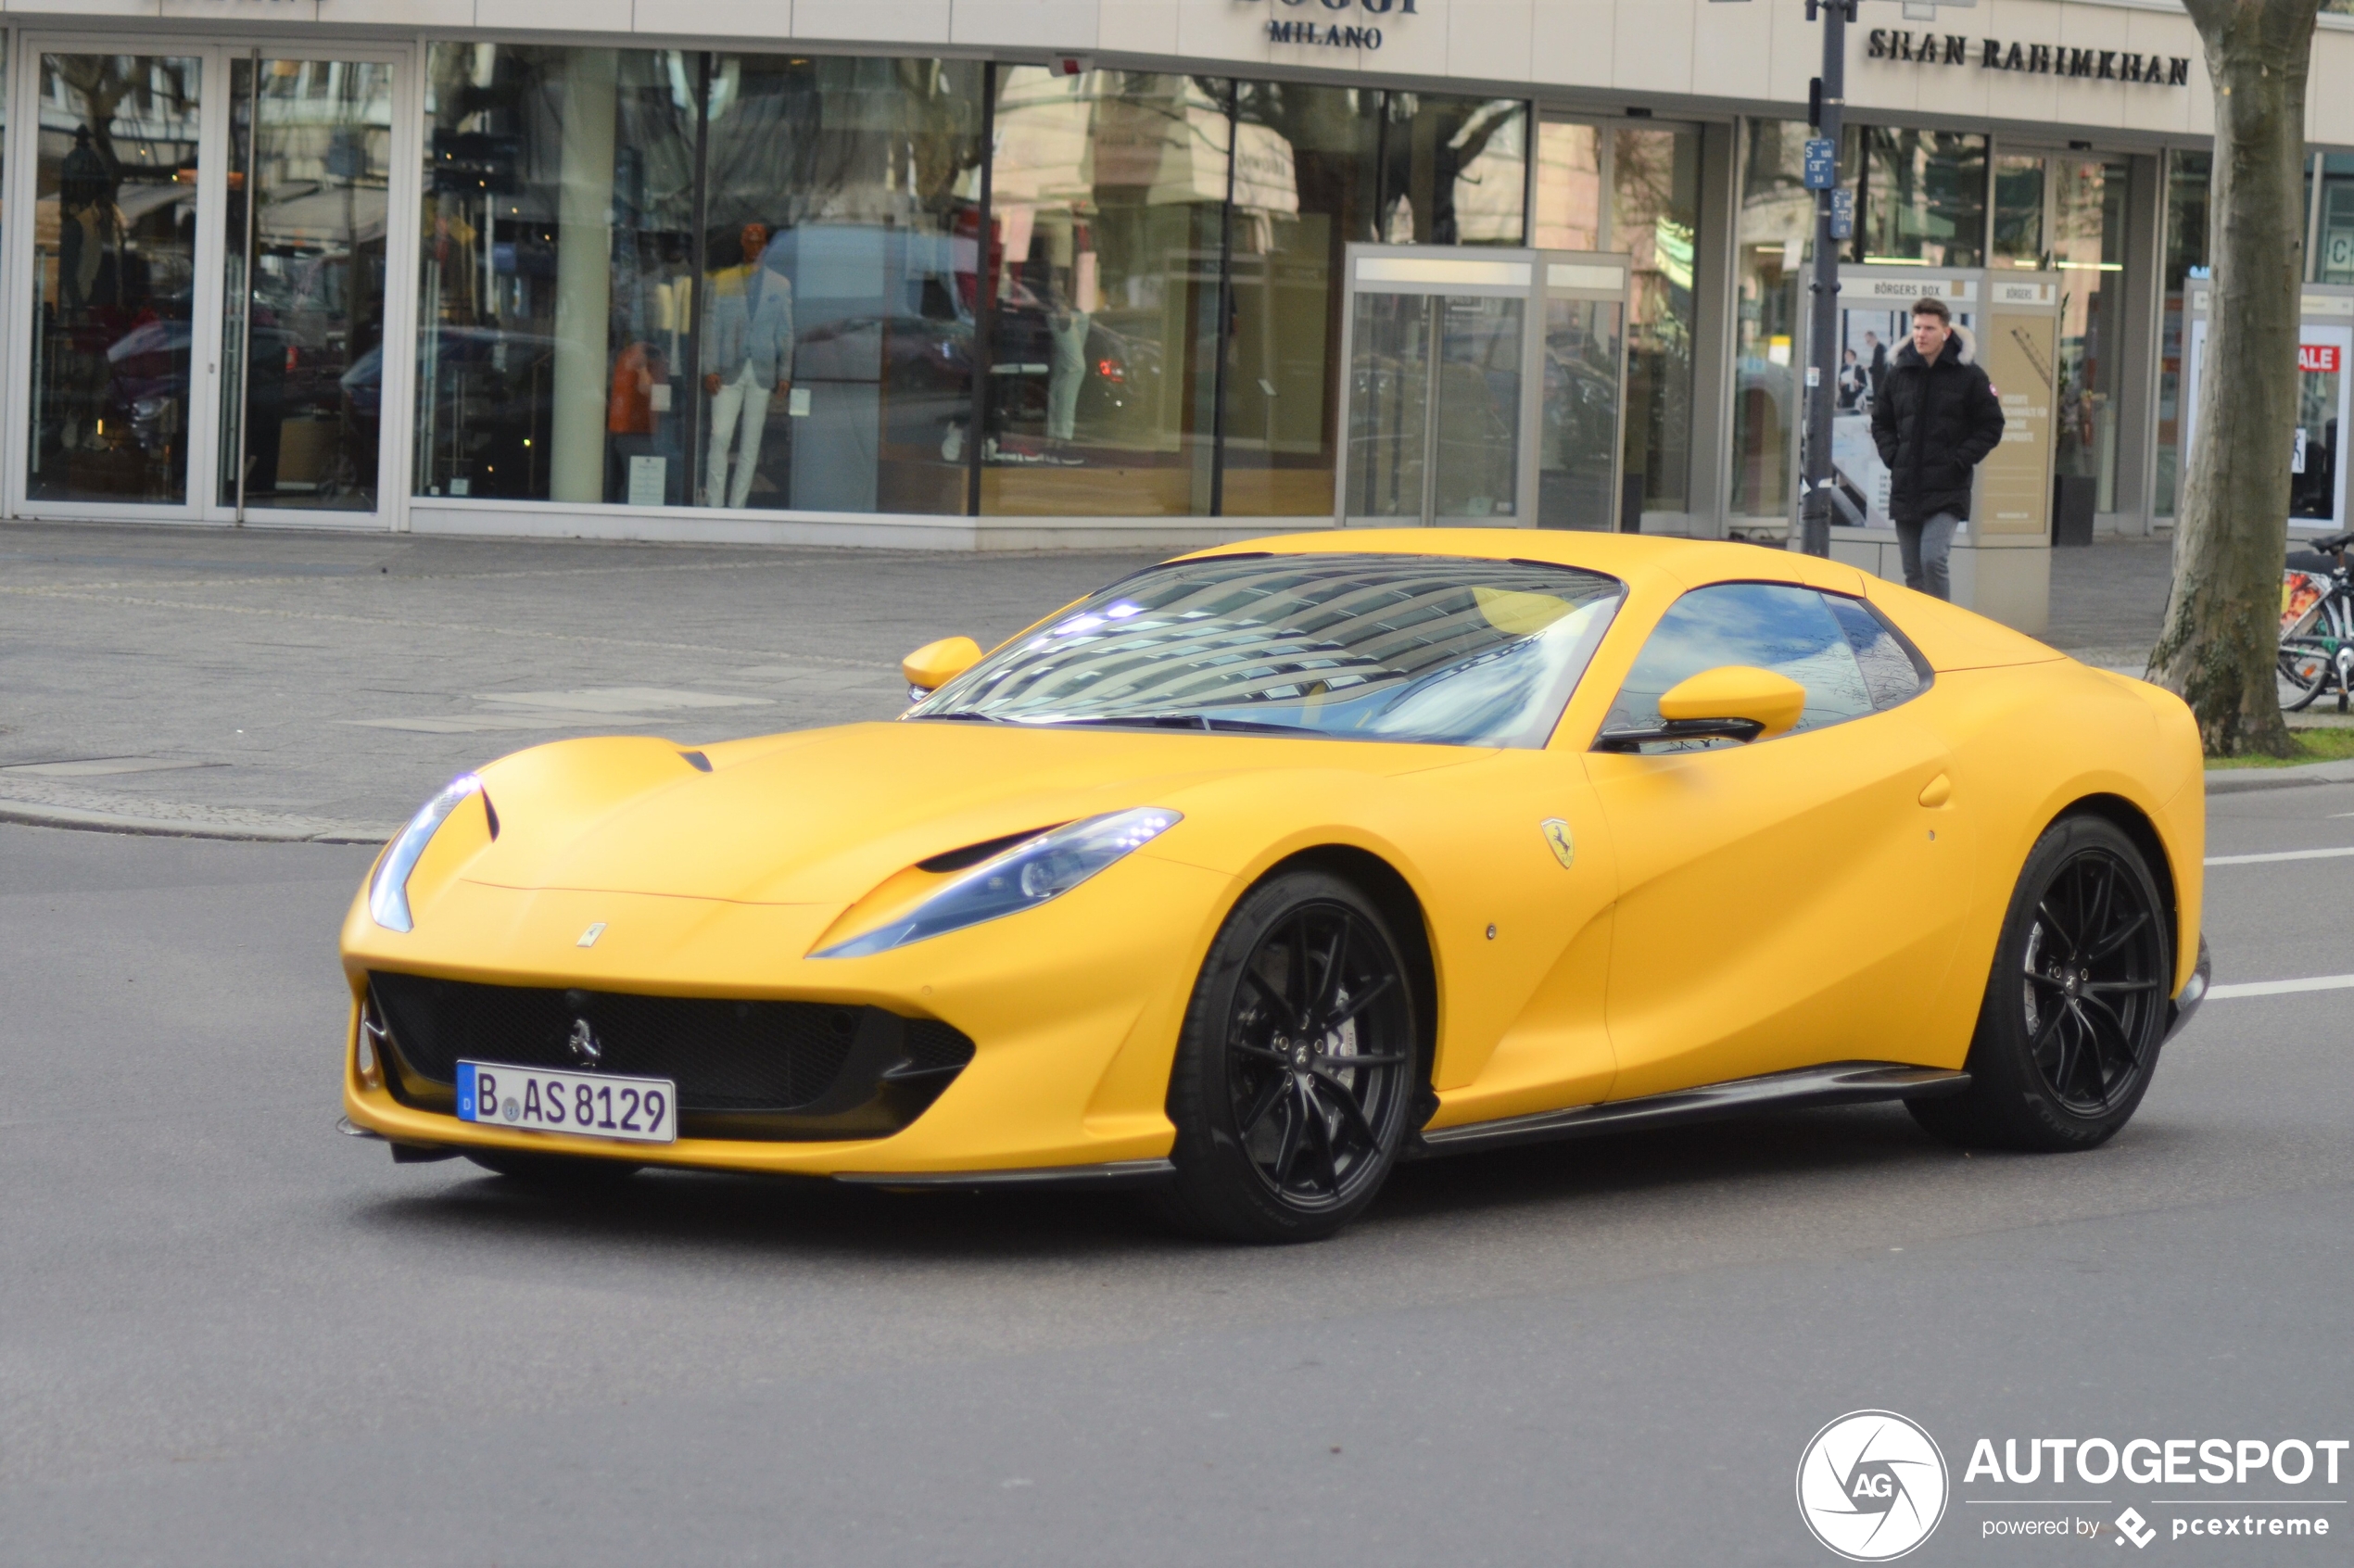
column 1934, row 421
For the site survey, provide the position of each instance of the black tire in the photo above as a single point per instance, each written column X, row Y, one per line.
column 554, row 1173
column 2076, row 1004
column 1297, row 1068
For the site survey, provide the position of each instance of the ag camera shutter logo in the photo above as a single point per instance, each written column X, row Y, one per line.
column 1871, row 1485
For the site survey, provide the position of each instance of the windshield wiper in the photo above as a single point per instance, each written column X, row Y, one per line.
column 966, row 714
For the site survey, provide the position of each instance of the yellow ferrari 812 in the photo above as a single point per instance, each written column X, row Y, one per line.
column 1268, row 868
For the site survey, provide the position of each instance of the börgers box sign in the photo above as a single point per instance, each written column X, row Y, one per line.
column 1332, row 24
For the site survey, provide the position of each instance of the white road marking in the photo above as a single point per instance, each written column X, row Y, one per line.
column 2284, row 854
column 2280, row 988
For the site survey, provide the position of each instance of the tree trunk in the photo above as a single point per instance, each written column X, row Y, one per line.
column 2219, row 649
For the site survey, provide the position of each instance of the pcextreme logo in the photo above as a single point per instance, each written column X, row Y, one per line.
column 1871, row 1485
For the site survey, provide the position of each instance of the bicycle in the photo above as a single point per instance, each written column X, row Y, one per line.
column 2317, row 624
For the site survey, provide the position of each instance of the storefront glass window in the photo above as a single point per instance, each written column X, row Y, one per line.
column 2186, row 181
column 558, row 211
column 1109, row 193
column 840, row 204
column 1569, row 187
column 1305, row 166
column 2019, row 210
column 2088, row 247
column 1776, row 221
column 1923, row 198
column 1655, row 217
column 1454, row 170
column 2333, row 255
column 113, row 278
column 605, row 320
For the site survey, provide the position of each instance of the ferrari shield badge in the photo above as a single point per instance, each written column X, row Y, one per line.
column 1557, row 834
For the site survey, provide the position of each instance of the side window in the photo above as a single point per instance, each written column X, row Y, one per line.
column 1796, row 632
column 1892, row 672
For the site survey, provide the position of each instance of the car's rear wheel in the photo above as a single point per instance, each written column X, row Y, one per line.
column 553, row 1172
column 2069, row 1033
column 1297, row 1067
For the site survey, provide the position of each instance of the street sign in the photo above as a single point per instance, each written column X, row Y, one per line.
column 1842, row 215
column 1822, row 163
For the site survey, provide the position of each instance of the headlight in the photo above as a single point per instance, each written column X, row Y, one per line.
column 389, row 888
column 1024, row 876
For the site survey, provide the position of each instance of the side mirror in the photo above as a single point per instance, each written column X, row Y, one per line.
column 936, row 663
column 1732, row 703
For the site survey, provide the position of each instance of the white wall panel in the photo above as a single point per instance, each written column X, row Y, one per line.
column 1415, row 45
column 80, row 8
column 564, row 15
column 1798, row 53
column 1732, row 51
column 241, row 10
column 883, row 22
column 1221, row 30
column 1575, row 42
column 1655, row 45
column 2329, row 90
column 1492, row 40
column 1138, row 26
column 398, row 12
column 1046, row 25
column 733, row 19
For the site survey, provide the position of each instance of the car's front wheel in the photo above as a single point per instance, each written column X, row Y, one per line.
column 2075, row 1009
column 1297, row 1067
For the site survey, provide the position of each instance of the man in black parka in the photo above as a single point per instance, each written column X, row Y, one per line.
column 1934, row 421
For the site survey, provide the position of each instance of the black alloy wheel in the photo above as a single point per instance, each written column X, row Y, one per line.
column 1299, row 1063
column 2076, row 1008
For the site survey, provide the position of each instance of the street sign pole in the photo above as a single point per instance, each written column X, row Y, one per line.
column 1822, row 345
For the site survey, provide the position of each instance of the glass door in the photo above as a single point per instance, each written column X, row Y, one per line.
column 194, row 355
column 303, row 272
column 1435, row 409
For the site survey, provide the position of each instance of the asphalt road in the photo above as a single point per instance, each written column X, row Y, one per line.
column 230, row 1336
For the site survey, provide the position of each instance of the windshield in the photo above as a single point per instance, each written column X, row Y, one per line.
column 1416, row 648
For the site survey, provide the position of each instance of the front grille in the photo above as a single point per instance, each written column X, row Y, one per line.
column 744, row 1070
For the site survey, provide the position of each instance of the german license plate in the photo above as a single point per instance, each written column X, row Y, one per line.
column 588, row 1104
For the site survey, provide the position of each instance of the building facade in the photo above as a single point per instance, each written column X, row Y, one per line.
column 1023, row 274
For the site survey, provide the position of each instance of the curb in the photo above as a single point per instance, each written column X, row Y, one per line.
column 2241, row 780
column 74, row 817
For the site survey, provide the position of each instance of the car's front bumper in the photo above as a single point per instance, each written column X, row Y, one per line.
column 1073, row 1009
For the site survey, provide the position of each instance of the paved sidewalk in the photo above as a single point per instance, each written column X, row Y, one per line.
column 276, row 685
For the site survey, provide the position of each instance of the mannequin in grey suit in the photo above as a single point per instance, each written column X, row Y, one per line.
column 750, row 349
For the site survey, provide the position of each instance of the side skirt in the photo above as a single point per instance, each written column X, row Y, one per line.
column 1841, row 1084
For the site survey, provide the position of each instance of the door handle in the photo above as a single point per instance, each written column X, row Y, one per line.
column 1937, row 791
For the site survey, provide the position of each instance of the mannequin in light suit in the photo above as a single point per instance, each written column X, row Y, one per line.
column 749, row 359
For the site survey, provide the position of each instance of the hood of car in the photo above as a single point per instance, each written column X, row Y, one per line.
column 823, row 816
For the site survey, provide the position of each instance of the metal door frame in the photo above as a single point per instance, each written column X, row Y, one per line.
column 208, row 305
column 1479, row 271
